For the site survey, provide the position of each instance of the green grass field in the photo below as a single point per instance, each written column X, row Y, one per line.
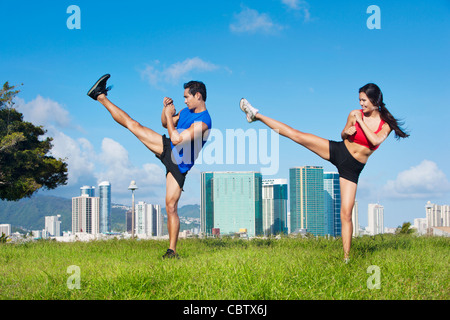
column 408, row 267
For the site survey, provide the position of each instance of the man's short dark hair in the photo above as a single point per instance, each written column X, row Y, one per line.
column 196, row 86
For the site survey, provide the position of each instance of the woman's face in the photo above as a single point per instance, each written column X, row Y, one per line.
column 365, row 103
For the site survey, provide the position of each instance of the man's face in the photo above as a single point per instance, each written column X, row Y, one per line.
column 190, row 100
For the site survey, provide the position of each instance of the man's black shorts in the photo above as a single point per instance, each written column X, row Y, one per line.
column 171, row 166
column 348, row 167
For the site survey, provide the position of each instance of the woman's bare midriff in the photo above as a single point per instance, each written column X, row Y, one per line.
column 358, row 152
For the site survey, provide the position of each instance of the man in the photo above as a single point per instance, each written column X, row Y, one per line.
column 188, row 132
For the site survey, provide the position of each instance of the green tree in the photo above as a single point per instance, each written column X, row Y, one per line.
column 405, row 228
column 25, row 165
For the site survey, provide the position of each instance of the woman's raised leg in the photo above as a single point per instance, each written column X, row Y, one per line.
column 318, row 145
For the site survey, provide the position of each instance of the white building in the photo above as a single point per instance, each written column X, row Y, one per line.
column 421, row 225
column 437, row 215
column 433, row 214
column 53, row 226
column 148, row 219
column 274, row 206
column 375, row 219
column 6, row 229
column 86, row 214
column 355, row 220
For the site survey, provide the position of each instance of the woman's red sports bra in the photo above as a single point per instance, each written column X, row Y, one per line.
column 360, row 138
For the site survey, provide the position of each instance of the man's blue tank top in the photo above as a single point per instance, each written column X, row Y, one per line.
column 186, row 154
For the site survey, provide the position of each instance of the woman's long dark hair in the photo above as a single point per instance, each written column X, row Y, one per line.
column 375, row 96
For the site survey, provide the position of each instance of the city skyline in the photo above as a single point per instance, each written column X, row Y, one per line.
column 302, row 63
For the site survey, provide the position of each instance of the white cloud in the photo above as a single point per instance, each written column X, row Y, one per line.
column 179, row 70
column 418, row 182
column 50, row 114
column 87, row 165
column 78, row 154
column 45, row 112
column 299, row 6
column 114, row 165
column 251, row 21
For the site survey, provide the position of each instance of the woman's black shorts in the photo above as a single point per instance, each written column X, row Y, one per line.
column 348, row 167
column 170, row 164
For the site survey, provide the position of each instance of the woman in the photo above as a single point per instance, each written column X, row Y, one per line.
column 365, row 130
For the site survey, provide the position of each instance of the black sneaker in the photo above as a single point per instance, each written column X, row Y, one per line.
column 99, row 87
column 170, row 254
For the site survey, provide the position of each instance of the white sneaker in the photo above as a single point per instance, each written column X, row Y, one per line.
column 248, row 109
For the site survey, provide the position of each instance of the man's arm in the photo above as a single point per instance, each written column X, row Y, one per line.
column 175, row 118
column 195, row 131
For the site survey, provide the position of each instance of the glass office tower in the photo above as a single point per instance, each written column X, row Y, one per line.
column 274, row 206
column 332, row 203
column 104, row 190
column 306, row 195
column 231, row 202
column 87, row 190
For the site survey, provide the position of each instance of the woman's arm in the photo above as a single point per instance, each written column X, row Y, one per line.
column 374, row 138
column 349, row 128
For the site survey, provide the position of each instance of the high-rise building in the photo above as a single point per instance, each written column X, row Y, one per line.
column 433, row 212
column 87, row 190
column 445, row 213
column 355, row 220
column 421, row 225
column 149, row 220
column 274, row 206
column 86, row 214
column 104, row 190
column 306, row 194
column 53, row 226
column 332, row 199
column 5, row 229
column 437, row 215
column 231, row 201
column 375, row 219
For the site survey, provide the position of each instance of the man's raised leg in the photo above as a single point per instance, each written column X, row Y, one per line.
column 147, row 136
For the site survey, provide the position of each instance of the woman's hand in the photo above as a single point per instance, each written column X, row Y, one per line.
column 350, row 131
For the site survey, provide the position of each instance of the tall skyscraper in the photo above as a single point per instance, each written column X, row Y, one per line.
column 355, row 220
column 306, row 195
column 437, row 215
column 104, row 190
column 149, row 220
column 53, row 226
column 376, row 219
column 231, row 201
column 332, row 199
column 445, row 213
column 5, row 229
column 86, row 214
column 433, row 212
column 274, row 206
column 87, row 190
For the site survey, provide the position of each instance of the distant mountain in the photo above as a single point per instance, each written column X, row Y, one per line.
column 190, row 210
column 29, row 214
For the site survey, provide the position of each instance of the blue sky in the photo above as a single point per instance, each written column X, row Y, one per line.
column 301, row 62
